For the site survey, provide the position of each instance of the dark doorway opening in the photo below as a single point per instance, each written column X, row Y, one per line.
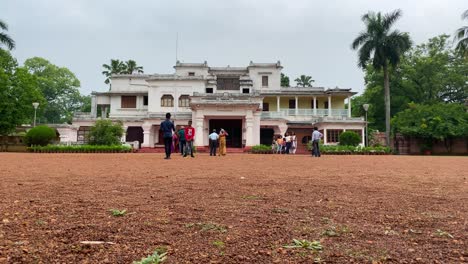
column 134, row 134
column 233, row 127
column 266, row 136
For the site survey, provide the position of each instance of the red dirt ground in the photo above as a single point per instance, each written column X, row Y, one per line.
column 395, row 209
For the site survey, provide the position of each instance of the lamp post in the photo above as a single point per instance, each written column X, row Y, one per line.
column 35, row 105
column 366, row 107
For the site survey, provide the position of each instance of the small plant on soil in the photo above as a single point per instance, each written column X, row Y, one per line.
column 155, row 258
column 208, row 227
column 335, row 231
column 251, row 197
column 443, row 233
column 218, row 244
column 306, row 244
column 117, row 212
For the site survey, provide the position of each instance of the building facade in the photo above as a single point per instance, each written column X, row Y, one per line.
column 248, row 102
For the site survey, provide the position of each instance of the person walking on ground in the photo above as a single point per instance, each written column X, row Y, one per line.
column 316, row 136
column 288, row 142
column 222, row 142
column 189, row 137
column 279, row 143
column 293, row 148
column 167, row 127
column 213, row 137
column 181, row 136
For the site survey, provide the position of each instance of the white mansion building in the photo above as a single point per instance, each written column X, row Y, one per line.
column 248, row 102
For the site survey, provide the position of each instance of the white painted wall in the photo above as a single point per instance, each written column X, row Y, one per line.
column 274, row 77
column 184, row 71
column 174, row 88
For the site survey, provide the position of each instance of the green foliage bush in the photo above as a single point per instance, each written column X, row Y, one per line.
column 80, row 149
column 40, row 135
column 261, row 149
column 349, row 138
column 106, row 132
column 343, row 150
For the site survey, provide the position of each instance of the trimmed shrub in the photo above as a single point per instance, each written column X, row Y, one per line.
column 40, row 135
column 349, row 138
column 261, row 149
column 106, row 132
column 80, row 149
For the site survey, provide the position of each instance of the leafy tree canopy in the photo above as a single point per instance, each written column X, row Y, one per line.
column 18, row 90
column 60, row 88
column 429, row 73
column 432, row 122
column 284, row 80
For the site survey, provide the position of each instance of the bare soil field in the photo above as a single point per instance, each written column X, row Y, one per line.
column 241, row 208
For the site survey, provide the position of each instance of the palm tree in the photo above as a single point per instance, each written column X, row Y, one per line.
column 304, row 81
column 461, row 37
column 4, row 38
column 115, row 67
column 131, row 67
column 383, row 48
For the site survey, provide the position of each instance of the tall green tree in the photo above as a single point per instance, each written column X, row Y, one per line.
column 304, row 81
column 132, row 67
column 284, row 80
column 4, row 38
column 18, row 90
column 381, row 47
column 461, row 37
column 60, row 88
column 115, row 67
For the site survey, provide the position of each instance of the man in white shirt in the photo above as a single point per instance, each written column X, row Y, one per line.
column 213, row 142
column 316, row 136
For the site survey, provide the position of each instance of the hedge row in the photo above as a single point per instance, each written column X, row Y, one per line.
column 80, row 149
column 349, row 150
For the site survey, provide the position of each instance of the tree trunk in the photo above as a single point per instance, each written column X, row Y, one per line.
column 387, row 105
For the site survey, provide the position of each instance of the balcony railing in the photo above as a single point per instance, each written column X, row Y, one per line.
column 304, row 113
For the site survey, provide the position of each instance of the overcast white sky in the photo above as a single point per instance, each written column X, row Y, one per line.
column 308, row 37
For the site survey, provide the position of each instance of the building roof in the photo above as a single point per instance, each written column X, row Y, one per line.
column 269, row 65
column 197, row 65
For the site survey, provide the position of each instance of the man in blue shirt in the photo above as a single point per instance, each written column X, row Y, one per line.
column 316, row 136
column 167, row 127
column 213, row 142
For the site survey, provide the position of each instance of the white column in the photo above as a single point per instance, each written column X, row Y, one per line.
column 146, row 135
column 277, row 103
column 329, row 106
column 249, row 133
column 256, row 128
column 349, row 106
column 103, row 111
column 93, row 106
column 199, row 131
column 325, row 141
column 315, row 105
column 124, row 135
column 297, row 105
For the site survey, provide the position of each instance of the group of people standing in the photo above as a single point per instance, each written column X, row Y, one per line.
column 286, row 144
column 182, row 139
column 216, row 138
